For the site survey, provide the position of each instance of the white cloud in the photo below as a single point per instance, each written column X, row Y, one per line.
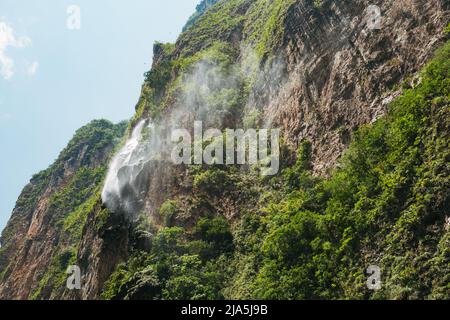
column 9, row 39
column 32, row 68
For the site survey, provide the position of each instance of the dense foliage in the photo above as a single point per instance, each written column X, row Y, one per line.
column 179, row 266
column 74, row 180
column 237, row 235
column 199, row 10
column 387, row 204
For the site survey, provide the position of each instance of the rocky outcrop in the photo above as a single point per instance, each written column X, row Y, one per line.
column 327, row 68
column 344, row 69
column 199, row 11
column 37, row 238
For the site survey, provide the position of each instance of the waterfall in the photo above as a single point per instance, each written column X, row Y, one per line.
column 121, row 189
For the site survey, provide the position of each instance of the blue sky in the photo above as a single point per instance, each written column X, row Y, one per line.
column 54, row 80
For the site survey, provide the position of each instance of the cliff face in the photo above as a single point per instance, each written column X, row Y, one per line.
column 319, row 70
column 343, row 73
column 199, row 11
column 41, row 236
column 339, row 68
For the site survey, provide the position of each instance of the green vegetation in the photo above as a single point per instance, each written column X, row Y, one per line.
column 170, row 79
column 74, row 222
column 216, row 24
column 318, row 3
column 68, row 191
column 26, row 204
column 213, row 181
column 199, row 11
column 265, row 24
column 262, row 23
column 94, row 137
column 234, row 234
column 70, row 206
column 216, row 233
column 76, row 192
column 447, row 30
column 207, row 38
column 159, row 75
column 168, row 211
column 378, row 208
column 53, row 282
column 175, row 268
column 313, row 238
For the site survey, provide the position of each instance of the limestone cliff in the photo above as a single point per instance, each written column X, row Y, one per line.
column 320, row 71
column 46, row 225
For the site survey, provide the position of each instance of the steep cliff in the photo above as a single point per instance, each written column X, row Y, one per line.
column 199, row 11
column 45, row 228
column 330, row 74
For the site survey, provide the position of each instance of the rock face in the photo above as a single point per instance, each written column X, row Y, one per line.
column 328, row 68
column 200, row 10
column 345, row 68
column 324, row 69
column 38, row 238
